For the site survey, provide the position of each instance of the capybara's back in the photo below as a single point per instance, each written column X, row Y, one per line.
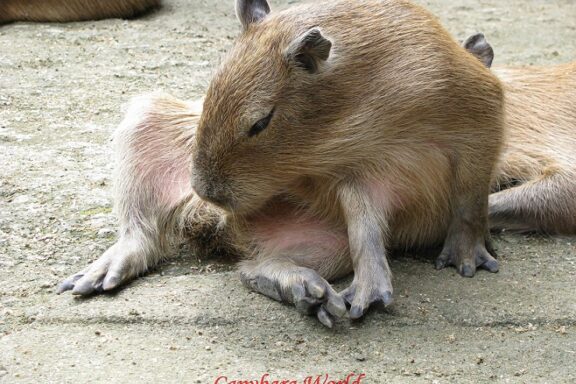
column 383, row 93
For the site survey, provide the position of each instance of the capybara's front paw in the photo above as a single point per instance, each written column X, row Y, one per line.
column 303, row 287
column 364, row 292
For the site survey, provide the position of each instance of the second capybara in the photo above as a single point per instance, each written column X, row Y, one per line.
column 72, row 10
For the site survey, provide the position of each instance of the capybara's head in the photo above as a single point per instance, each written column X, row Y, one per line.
column 259, row 129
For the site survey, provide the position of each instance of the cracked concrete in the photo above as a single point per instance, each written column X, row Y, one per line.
column 61, row 88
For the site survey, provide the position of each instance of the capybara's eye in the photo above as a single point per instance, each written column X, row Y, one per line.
column 260, row 125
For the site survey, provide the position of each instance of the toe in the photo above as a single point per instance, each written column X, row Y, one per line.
column 467, row 270
column 316, row 289
column 83, row 288
column 348, row 295
column 488, row 263
column 386, row 298
column 325, row 317
column 304, row 303
column 118, row 273
column 491, row 265
column 307, row 305
column 69, row 283
column 356, row 311
column 442, row 261
column 335, row 305
column 111, row 281
column 89, row 284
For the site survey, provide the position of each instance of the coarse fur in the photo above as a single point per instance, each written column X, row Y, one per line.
column 383, row 126
column 539, row 157
column 297, row 238
column 72, row 10
column 369, row 147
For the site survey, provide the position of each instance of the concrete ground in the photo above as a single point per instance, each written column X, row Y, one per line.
column 61, row 88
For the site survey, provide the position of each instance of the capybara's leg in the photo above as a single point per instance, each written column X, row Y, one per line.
column 293, row 260
column 367, row 222
column 467, row 244
column 153, row 148
column 546, row 205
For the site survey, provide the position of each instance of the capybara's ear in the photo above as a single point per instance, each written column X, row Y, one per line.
column 479, row 47
column 309, row 50
column 251, row 11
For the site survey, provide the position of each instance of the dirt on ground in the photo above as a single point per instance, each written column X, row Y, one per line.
column 61, row 91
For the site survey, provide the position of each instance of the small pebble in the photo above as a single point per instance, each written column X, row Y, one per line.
column 106, row 232
column 21, row 199
column 360, row 357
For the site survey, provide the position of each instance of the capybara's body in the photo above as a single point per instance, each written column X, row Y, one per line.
column 72, row 10
column 377, row 122
column 331, row 133
column 539, row 157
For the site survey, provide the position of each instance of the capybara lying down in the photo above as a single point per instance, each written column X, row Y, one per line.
column 72, row 10
column 332, row 133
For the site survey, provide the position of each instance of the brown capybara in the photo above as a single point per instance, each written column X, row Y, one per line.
column 332, row 133
column 367, row 113
column 72, row 10
column 292, row 245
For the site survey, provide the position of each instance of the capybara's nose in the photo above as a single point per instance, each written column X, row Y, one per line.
column 211, row 191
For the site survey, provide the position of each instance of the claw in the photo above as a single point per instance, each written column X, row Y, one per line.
column 360, row 296
column 68, row 284
column 119, row 264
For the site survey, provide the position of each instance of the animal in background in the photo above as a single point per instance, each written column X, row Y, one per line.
column 72, row 10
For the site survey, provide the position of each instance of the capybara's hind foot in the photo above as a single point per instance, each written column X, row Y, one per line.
column 467, row 262
column 121, row 263
column 303, row 287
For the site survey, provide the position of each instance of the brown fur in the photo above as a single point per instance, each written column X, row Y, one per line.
column 402, row 157
column 392, row 140
column 72, row 10
column 539, row 158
